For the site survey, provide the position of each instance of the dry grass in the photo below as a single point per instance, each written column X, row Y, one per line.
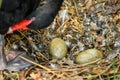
column 70, row 28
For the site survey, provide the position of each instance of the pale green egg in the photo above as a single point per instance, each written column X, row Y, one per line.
column 89, row 56
column 58, row 48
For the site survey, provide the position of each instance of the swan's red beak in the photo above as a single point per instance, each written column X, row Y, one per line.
column 20, row 26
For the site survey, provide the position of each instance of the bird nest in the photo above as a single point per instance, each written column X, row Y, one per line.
column 82, row 24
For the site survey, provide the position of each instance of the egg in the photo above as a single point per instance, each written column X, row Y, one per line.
column 88, row 55
column 58, row 48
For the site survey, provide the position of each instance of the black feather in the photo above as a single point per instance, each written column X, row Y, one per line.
column 45, row 15
column 13, row 11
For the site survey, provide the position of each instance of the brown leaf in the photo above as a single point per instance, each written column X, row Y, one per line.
column 97, row 70
column 99, row 38
column 36, row 76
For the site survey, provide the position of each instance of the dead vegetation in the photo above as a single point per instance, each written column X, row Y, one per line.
column 82, row 24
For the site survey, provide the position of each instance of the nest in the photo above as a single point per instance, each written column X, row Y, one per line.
column 82, row 25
